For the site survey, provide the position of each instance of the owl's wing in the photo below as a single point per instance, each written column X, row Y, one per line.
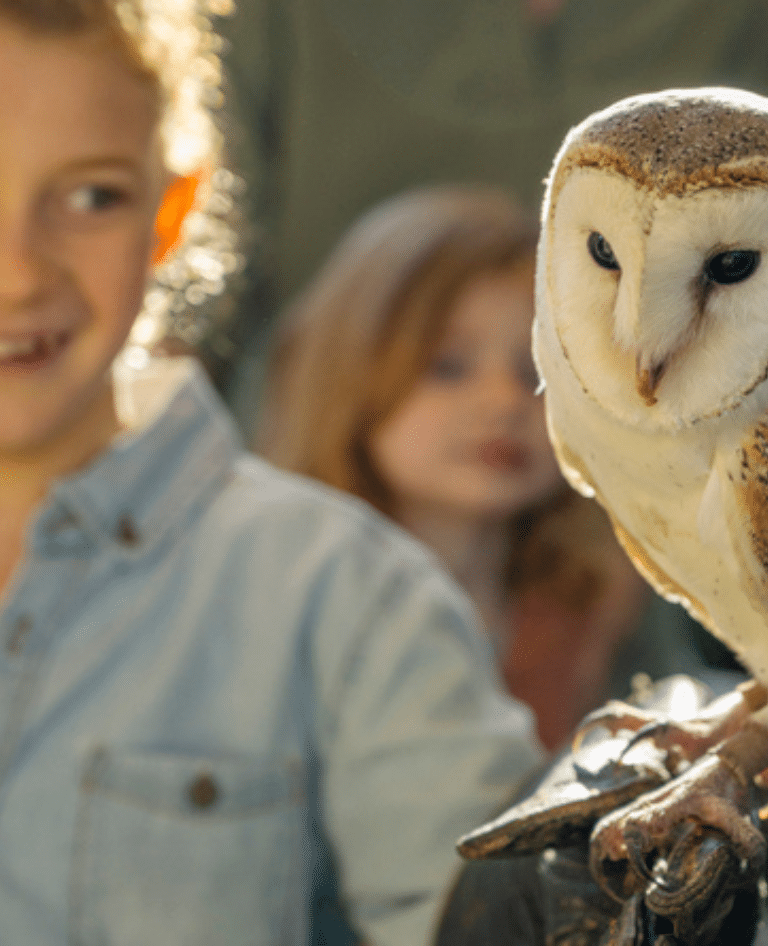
column 743, row 479
column 733, row 525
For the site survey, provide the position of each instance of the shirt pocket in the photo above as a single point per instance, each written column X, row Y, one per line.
column 177, row 849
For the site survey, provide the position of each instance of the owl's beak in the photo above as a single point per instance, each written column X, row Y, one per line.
column 647, row 378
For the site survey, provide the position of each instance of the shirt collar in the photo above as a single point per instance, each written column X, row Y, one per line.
column 180, row 443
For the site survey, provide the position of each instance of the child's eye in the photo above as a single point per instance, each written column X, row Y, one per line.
column 92, row 198
column 448, row 368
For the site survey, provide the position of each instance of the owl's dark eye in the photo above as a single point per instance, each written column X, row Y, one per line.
column 732, row 266
column 601, row 252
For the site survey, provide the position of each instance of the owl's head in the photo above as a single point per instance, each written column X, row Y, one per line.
column 653, row 262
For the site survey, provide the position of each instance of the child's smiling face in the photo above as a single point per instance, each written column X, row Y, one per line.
column 81, row 178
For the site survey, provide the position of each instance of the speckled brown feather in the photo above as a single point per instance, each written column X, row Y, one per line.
column 674, row 144
column 752, row 500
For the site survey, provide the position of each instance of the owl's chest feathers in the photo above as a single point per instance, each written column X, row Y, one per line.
column 691, row 508
column 660, row 465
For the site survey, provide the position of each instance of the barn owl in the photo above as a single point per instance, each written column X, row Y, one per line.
column 651, row 337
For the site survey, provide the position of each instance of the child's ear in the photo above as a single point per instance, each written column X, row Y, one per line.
column 174, row 207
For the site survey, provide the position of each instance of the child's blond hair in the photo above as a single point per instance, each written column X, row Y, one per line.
column 173, row 45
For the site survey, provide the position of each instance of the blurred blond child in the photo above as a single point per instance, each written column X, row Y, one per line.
column 215, row 676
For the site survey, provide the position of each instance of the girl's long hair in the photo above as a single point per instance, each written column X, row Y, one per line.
column 350, row 349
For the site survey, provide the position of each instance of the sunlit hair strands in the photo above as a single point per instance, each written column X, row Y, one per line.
column 174, row 45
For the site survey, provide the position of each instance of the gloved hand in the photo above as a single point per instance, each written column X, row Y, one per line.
column 529, row 882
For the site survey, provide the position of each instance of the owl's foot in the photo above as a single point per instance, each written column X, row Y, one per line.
column 684, row 740
column 693, row 838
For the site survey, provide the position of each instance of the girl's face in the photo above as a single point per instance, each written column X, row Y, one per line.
column 470, row 439
column 81, row 178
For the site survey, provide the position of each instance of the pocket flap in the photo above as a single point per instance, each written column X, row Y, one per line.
column 220, row 785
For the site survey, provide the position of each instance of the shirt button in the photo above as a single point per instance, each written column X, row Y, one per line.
column 15, row 640
column 127, row 533
column 203, row 792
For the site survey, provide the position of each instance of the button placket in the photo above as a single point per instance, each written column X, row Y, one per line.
column 20, row 630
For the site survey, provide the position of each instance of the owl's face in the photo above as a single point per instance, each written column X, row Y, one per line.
column 655, row 278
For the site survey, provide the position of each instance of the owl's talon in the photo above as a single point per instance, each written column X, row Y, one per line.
column 614, row 716
column 650, row 731
column 711, row 799
column 633, row 841
column 683, row 740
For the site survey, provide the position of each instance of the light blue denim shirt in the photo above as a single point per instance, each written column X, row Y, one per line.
column 208, row 668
